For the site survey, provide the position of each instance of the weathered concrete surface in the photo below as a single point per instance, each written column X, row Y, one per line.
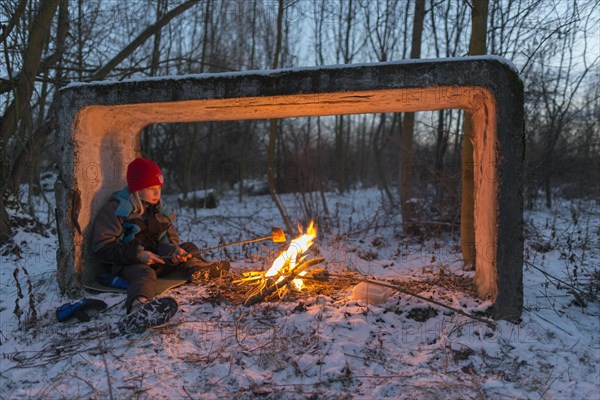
column 100, row 124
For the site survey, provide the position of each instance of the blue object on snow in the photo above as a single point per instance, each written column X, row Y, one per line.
column 113, row 281
column 78, row 310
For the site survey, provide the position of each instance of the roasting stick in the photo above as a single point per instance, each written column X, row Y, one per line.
column 277, row 236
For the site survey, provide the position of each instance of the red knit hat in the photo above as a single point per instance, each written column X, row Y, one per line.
column 143, row 173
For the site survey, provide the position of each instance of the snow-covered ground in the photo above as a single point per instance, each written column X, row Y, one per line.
column 316, row 344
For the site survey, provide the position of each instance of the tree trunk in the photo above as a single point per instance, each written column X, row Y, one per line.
column 407, row 131
column 31, row 64
column 379, row 156
column 273, row 134
column 5, row 231
column 440, row 150
column 161, row 6
column 44, row 128
column 340, row 159
column 477, row 46
column 319, row 171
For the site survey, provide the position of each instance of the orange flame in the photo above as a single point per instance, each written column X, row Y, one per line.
column 293, row 254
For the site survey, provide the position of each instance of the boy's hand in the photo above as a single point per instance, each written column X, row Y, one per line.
column 149, row 258
column 180, row 255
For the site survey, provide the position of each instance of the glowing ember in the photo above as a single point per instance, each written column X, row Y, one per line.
column 293, row 255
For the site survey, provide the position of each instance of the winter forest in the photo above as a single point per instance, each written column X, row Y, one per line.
column 389, row 193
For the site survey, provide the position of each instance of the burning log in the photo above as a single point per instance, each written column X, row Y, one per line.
column 281, row 283
column 284, row 269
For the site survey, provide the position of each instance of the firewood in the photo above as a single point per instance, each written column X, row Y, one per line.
column 277, row 284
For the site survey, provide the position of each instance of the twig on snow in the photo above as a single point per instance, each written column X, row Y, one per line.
column 553, row 324
column 108, row 381
column 186, row 392
column 530, row 264
column 491, row 324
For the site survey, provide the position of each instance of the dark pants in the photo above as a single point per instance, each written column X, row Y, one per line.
column 142, row 277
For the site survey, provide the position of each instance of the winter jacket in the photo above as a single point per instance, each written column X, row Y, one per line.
column 119, row 234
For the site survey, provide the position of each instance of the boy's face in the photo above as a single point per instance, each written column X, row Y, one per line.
column 150, row 195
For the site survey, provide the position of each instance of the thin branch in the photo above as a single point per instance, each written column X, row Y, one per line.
column 108, row 380
column 6, row 29
column 557, row 29
column 530, row 264
column 491, row 324
column 141, row 38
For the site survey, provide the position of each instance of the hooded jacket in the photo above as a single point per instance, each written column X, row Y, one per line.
column 119, row 235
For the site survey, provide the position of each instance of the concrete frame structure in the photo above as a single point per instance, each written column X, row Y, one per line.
column 100, row 123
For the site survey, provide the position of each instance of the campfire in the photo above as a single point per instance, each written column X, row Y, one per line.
column 291, row 266
column 286, row 271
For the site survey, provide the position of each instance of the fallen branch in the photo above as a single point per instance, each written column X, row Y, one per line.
column 583, row 292
column 278, row 284
column 491, row 324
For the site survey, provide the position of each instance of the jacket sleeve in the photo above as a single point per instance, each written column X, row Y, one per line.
column 106, row 234
column 170, row 240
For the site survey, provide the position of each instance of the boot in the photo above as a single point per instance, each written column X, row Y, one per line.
column 147, row 315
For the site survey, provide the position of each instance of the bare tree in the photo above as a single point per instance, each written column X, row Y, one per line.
column 408, row 127
column 479, row 14
column 20, row 143
column 271, row 162
column 23, row 90
column 549, row 42
column 151, row 30
column 345, row 50
column 100, row 40
column 557, row 72
column 383, row 35
column 448, row 23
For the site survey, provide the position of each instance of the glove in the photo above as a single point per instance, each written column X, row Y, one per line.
column 78, row 310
